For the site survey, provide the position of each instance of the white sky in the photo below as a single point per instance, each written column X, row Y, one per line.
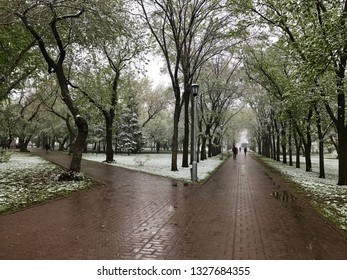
column 154, row 66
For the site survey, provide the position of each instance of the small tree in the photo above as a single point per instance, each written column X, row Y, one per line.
column 130, row 135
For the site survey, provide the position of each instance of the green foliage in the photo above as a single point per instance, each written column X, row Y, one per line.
column 18, row 58
column 129, row 136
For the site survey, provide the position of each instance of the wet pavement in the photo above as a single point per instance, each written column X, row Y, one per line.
column 244, row 211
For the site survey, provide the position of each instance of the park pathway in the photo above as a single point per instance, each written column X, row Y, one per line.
column 244, row 211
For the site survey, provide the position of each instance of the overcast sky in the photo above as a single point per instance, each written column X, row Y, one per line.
column 153, row 68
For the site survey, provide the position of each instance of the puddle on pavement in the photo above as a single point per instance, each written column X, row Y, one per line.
column 283, row 196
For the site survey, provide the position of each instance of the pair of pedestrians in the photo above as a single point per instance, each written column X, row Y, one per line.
column 235, row 151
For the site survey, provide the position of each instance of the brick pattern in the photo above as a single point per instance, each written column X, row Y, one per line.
column 242, row 212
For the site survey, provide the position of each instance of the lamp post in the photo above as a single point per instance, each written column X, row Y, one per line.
column 194, row 170
column 221, row 142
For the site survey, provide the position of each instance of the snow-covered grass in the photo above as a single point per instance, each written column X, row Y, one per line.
column 323, row 194
column 159, row 164
column 27, row 179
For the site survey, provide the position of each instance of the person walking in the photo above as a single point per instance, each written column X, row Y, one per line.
column 245, row 150
column 234, row 152
column 47, row 148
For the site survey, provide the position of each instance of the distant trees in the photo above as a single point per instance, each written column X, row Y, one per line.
column 82, row 62
column 221, row 89
column 310, row 35
column 91, row 48
column 188, row 35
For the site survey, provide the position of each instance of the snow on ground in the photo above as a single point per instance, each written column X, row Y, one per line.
column 324, row 194
column 26, row 179
column 159, row 164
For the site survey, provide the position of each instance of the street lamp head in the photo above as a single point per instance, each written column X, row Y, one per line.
column 195, row 89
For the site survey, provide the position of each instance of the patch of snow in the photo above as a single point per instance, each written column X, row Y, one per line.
column 159, row 164
column 27, row 179
column 330, row 197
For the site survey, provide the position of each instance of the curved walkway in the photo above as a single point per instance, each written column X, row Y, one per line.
column 242, row 212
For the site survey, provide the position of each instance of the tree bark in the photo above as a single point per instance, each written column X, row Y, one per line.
column 81, row 138
column 290, row 149
column 80, row 122
column 203, row 154
column 185, row 156
column 109, row 136
column 283, row 143
column 266, row 142
column 320, row 145
column 175, row 136
column 342, row 136
column 297, row 150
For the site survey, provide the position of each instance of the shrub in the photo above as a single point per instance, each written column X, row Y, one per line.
column 140, row 160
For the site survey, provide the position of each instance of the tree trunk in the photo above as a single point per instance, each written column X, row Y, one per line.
column 308, row 161
column 306, row 140
column 199, row 146
column 258, row 139
column 266, row 146
column 23, row 144
column 308, row 146
column 342, row 138
column 278, row 147
column 80, row 122
column 278, row 141
column 273, row 142
column 185, row 156
column 342, row 154
column 62, row 144
column 204, row 142
column 72, row 134
column 321, row 160
column 109, row 136
column 203, row 154
column 79, row 144
column 175, row 136
column 320, row 145
column 283, row 143
column 290, row 150
column 210, row 147
column 297, row 150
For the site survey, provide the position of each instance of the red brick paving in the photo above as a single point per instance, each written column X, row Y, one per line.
column 138, row 216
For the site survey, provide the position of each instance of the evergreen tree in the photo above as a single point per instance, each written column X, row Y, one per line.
column 130, row 135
